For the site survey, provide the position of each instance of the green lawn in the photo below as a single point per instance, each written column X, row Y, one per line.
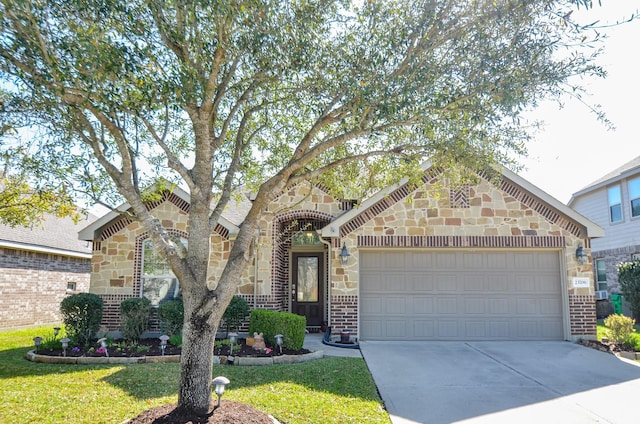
column 332, row 390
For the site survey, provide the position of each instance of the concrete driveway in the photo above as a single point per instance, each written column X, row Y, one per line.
column 502, row 382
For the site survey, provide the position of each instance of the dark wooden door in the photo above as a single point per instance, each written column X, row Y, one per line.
column 307, row 271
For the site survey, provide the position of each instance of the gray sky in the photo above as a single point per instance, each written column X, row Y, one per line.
column 574, row 149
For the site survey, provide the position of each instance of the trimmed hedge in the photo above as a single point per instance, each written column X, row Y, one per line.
column 82, row 314
column 270, row 323
column 135, row 313
column 171, row 317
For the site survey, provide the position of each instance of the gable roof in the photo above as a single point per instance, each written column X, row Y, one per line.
column 90, row 232
column 623, row 171
column 55, row 236
column 373, row 205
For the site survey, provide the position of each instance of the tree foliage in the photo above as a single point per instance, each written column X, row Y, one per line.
column 629, row 280
column 265, row 94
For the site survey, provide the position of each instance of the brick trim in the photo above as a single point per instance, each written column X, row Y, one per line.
column 509, row 187
column 386, row 202
column 344, row 313
column 137, row 257
column 582, row 315
column 124, row 220
column 532, row 202
column 463, row 241
column 281, row 246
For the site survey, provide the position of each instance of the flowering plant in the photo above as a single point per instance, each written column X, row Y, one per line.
column 76, row 349
column 101, row 350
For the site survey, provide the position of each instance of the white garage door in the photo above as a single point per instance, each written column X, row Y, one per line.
column 460, row 295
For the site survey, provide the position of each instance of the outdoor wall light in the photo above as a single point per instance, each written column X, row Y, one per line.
column 344, row 254
column 220, row 383
column 581, row 255
column 163, row 342
column 36, row 341
column 65, row 344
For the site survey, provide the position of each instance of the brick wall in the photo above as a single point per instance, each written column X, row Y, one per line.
column 344, row 314
column 32, row 285
column 582, row 313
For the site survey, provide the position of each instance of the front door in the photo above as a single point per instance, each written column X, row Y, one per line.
column 307, row 286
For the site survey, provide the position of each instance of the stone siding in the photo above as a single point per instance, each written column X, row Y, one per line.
column 33, row 284
column 117, row 259
column 481, row 216
column 489, row 218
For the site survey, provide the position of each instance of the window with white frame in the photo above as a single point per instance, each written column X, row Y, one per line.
column 601, row 274
column 634, row 196
column 158, row 281
column 615, row 204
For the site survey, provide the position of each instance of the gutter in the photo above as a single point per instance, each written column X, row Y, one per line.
column 44, row 249
column 328, row 244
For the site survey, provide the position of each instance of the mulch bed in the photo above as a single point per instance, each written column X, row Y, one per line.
column 605, row 346
column 151, row 347
column 229, row 412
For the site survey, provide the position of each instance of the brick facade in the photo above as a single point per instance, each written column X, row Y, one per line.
column 582, row 313
column 33, row 284
column 344, row 313
column 483, row 216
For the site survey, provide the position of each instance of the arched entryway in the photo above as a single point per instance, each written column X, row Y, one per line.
column 300, row 265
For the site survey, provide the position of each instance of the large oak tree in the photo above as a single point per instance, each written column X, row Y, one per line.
column 264, row 94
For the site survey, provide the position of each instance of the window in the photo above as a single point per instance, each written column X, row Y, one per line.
column 615, row 204
column 71, row 286
column 601, row 274
column 634, row 196
column 158, row 281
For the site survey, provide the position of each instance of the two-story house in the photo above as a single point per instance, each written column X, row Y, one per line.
column 613, row 202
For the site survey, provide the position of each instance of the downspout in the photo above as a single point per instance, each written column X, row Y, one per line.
column 255, row 268
column 329, row 254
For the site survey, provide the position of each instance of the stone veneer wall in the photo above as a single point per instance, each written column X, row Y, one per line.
column 436, row 217
column 117, row 257
column 33, row 284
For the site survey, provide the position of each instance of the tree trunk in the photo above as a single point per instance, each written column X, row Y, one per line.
column 196, row 362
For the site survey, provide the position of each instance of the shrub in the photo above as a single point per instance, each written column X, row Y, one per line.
column 620, row 327
column 270, row 323
column 50, row 342
column 235, row 313
column 629, row 280
column 171, row 316
column 82, row 314
column 134, row 315
column 633, row 342
column 176, row 340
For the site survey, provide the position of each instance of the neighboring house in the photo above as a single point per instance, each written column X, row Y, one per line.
column 480, row 262
column 613, row 202
column 39, row 266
